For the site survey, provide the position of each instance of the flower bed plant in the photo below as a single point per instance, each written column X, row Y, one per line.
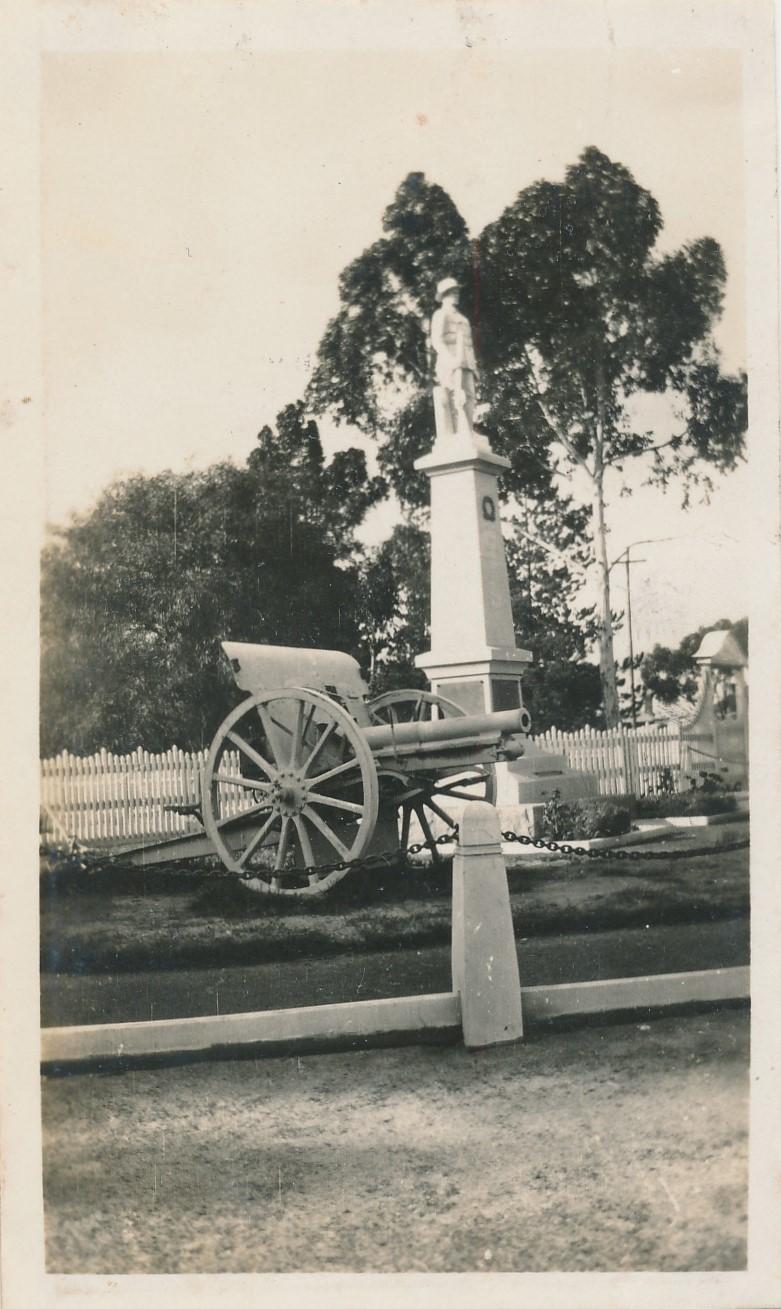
column 694, row 803
column 582, row 820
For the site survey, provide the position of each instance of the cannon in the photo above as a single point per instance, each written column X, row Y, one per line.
column 307, row 772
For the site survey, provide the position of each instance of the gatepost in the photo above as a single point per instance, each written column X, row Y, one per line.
column 484, row 959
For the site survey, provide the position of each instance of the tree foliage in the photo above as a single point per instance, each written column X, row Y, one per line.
column 561, row 687
column 394, row 605
column 138, row 593
column 372, row 359
column 575, row 315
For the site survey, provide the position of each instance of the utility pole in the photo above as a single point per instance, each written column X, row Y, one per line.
column 625, row 556
column 628, row 562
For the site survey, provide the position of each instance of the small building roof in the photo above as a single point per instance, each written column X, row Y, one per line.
column 720, row 649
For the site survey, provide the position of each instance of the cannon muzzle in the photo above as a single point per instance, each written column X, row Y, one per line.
column 508, row 722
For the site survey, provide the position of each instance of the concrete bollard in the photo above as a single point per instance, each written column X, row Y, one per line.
column 484, row 961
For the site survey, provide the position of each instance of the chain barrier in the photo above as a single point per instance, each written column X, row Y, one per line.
column 615, row 852
column 87, row 861
column 555, row 847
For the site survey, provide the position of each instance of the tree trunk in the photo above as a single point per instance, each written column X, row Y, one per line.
column 607, row 663
column 372, row 663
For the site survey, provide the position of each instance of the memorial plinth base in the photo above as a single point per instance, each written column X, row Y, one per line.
column 480, row 682
column 473, row 659
column 538, row 776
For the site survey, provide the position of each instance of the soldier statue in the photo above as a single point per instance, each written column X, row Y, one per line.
column 456, row 367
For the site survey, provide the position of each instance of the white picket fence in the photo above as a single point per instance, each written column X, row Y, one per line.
column 116, row 800
column 636, row 760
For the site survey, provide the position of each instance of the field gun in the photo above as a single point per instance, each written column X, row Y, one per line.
column 308, row 771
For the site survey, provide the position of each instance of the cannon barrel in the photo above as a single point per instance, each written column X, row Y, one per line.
column 504, row 723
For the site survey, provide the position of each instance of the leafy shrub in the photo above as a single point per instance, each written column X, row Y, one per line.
column 582, row 820
column 713, row 782
column 686, row 804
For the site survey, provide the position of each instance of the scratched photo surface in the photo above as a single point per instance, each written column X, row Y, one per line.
column 397, row 487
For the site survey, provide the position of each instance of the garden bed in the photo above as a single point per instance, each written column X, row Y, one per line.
column 650, row 829
column 658, row 831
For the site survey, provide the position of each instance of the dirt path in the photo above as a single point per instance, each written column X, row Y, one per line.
column 129, row 997
column 602, row 1148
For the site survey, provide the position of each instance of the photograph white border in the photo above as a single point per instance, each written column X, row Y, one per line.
column 375, row 24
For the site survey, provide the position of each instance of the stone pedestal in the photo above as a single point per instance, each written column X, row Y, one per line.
column 473, row 658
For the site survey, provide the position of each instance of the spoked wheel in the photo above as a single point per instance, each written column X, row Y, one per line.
column 412, row 707
column 429, row 797
column 289, row 783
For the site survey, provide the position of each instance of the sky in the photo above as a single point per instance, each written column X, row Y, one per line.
column 198, row 207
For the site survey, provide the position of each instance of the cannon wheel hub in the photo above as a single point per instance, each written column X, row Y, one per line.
column 288, row 794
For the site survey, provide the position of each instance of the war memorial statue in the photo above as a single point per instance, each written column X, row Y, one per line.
column 455, row 364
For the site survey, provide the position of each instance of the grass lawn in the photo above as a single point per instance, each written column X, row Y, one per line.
column 123, row 920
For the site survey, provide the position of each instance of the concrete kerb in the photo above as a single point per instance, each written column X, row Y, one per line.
column 709, row 820
column 486, row 1005
column 618, row 995
column 278, row 1029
